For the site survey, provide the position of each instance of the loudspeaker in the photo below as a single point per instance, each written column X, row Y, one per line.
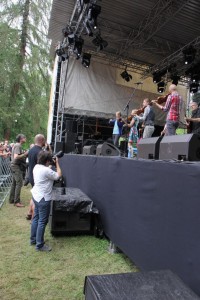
column 70, row 139
column 162, row 284
column 60, row 146
column 89, row 150
column 149, row 148
column 70, row 212
column 181, row 147
column 71, row 126
column 107, row 149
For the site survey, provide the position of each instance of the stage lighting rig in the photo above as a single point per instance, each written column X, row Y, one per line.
column 99, row 42
column 86, row 60
column 156, row 77
column 78, row 45
column 189, row 54
column 93, row 12
column 161, row 87
column 126, row 76
column 194, row 87
column 175, row 78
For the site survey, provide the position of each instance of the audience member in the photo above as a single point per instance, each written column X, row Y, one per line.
column 17, row 166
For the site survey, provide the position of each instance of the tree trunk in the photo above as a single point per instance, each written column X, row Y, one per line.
column 21, row 60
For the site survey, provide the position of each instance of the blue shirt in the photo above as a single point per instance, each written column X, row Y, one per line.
column 116, row 128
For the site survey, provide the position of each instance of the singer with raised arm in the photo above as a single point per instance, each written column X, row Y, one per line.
column 117, row 129
column 173, row 108
column 148, row 119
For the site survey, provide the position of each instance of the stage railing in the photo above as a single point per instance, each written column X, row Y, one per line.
column 5, row 179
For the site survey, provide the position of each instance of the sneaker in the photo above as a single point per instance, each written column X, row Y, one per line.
column 45, row 248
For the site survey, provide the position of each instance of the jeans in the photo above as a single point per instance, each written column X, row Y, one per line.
column 171, row 127
column 116, row 139
column 39, row 222
column 148, row 131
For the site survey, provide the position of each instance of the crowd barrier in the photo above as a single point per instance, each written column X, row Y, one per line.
column 5, row 179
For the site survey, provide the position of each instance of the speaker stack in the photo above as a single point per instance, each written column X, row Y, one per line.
column 89, row 150
column 107, row 149
column 180, row 147
column 149, row 148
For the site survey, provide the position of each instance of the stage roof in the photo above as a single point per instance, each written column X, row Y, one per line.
column 145, row 35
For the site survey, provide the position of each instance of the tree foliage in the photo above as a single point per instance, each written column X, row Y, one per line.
column 24, row 67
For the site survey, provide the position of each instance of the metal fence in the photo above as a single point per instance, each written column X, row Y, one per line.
column 5, row 179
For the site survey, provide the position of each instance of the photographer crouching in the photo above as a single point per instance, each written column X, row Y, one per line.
column 44, row 178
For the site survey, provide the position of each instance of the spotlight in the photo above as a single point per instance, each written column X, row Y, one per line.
column 78, row 45
column 99, row 43
column 194, row 87
column 175, row 79
column 126, row 76
column 161, row 87
column 156, row 77
column 86, row 60
column 195, row 77
column 68, row 33
column 93, row 12
column 189, row 54
column 63, row 53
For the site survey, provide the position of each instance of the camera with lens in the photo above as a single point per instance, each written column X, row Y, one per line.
column 58, row 155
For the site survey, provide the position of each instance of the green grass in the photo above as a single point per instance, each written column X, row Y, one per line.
column 57, row 275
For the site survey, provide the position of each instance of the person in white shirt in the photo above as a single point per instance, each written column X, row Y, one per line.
column 44, row 177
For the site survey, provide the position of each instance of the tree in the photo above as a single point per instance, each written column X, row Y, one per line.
column 24, row 67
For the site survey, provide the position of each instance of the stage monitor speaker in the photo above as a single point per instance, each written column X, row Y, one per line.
column 71, row 126
column 70, row 139
column 149, row 148
column 107, row 149
column 180, row 147
column 161, row 284
column 89, row 150
column 60, row 146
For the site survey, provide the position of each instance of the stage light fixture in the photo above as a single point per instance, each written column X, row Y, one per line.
column 156, row 77
column 195, row 77
column 99, row 43
column 189, row 54
column 175, row 79
column 194, row 87
column 86, row 60
column 161, row 87
column 126, row 76
column 93, row 12
column 78, row 45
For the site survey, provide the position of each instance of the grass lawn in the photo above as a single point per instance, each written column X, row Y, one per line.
column 59, row 274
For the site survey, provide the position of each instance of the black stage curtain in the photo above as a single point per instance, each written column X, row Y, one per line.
column 150, row 209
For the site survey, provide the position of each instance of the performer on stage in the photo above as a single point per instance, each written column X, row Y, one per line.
column 133, row 134
column 194, row 121
column 117, row 129
column 148, row 119
column 173, row 107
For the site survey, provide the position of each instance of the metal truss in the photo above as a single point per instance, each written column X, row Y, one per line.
column 176, row 57
column 160, row 14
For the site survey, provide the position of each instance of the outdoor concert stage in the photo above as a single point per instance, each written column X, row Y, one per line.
column 150, row 209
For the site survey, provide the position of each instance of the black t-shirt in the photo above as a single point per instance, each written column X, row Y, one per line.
column 196, row 125
column 32, row 161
